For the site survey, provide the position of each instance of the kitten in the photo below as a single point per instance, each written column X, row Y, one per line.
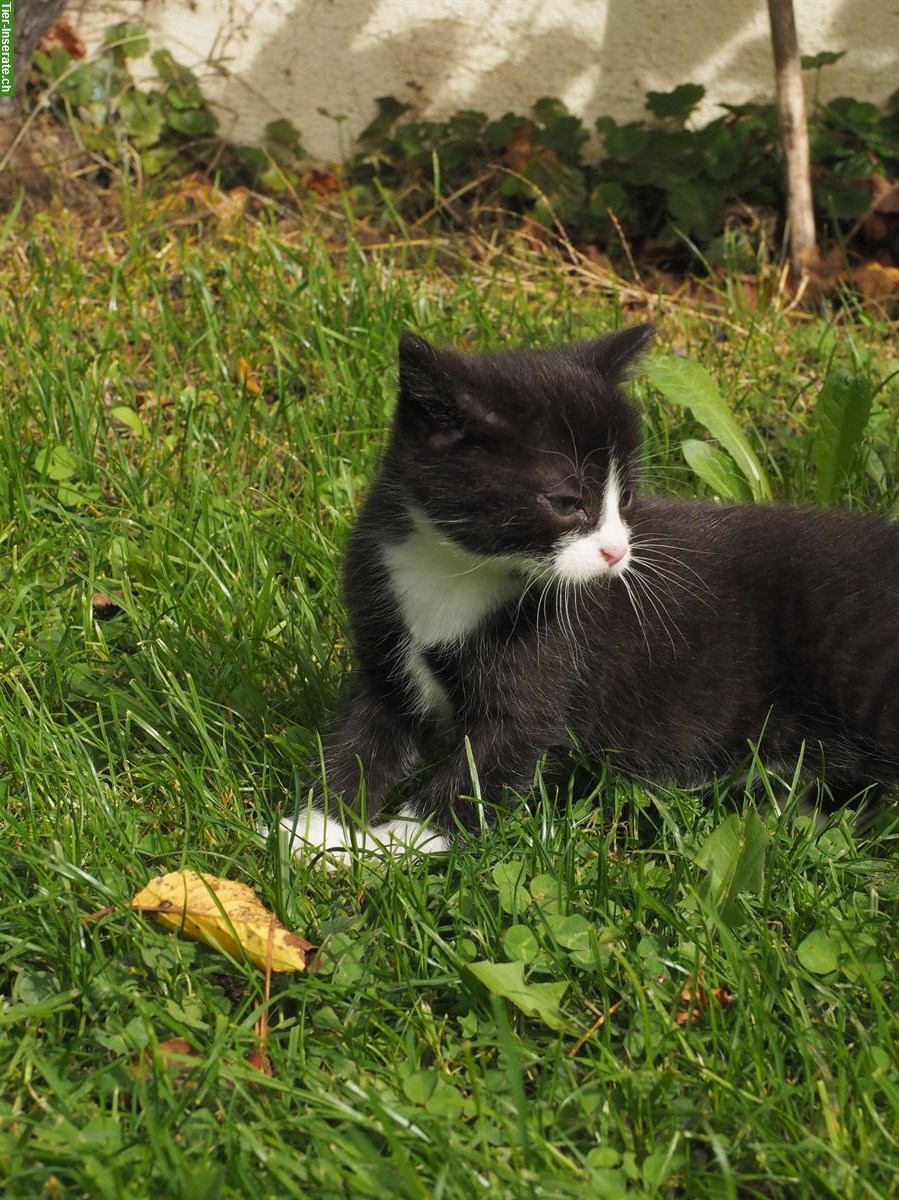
column 508, row 584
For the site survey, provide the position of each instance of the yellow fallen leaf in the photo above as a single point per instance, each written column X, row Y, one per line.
column 226, row 915
column 247, row 378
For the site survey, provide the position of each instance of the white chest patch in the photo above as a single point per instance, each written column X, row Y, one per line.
column 444, row 592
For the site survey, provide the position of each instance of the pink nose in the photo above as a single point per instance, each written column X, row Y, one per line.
column 612, row 554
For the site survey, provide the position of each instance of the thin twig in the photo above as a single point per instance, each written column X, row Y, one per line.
column 597, row 1025
column 626, row 246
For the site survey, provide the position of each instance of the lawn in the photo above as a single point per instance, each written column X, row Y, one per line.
column 189, row 416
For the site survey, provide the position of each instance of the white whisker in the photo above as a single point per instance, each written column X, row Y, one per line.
column 639, row 612
column 656, row 600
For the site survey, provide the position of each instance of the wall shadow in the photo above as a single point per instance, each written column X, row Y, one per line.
column 334, row 57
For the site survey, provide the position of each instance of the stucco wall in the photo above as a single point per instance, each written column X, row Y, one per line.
column 305, row 59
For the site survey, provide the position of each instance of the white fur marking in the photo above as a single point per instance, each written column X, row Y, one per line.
column 443, row 590
column 579, row 557
column 316, row 833
column 432, row 697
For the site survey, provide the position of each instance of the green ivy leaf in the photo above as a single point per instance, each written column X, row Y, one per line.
column 284, row 133
column 858, row 113
column 58, row 463
column 509, row 879
column 697, row 209
column 173, row 73
column 54, row 64
column 389, row 112
column 733, row 855
column 819, row 953
column 572, row 932
column 142, row 118
column 824, row 58
column 127, row 38
column 609, row 196
column 520, row 943
column 498, row 133
column 845, row 199
column 195, row 122
column 157, row 158
column 561, row 130
column 79, row 87
column 251, row 160
column 540, row 1000
column 626, row 142
column 432, row 1092
column 678, row 103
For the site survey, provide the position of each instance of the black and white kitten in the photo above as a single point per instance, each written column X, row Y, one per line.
column 508, row 584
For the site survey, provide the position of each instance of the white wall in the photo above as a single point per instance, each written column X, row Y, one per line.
column 261, row 59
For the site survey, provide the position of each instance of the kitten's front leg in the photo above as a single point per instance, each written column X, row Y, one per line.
column 373, row 748
column 375, row 744
column 505, row 752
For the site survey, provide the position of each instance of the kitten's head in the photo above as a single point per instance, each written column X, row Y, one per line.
column 530, row 455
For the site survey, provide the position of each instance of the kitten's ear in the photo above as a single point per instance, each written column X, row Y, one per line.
column 432, row 390
column 612, row 355
column 418, row 360
column 424, row 383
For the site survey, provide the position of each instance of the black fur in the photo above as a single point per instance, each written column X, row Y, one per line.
column 737, row 619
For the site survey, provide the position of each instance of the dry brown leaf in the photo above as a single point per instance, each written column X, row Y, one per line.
column 226, row 915
column 228, row 206
column 195, row 195
column 825, row 270
column 62, row 34
column 103, row 607
column 323, row 183
column 247, row 378
column 875, row 227
column 875, row 281
column 194, row 188
column 260, row 1060
column 521, row 150
column 175, row 1054
column 177, row 1047
column 695, row 997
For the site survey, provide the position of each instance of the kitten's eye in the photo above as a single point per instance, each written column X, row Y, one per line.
column 626, row 499
column 564, row 506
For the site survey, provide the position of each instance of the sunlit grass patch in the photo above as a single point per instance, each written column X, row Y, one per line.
column 187, row 426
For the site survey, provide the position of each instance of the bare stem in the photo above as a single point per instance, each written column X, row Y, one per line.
column 794, row 132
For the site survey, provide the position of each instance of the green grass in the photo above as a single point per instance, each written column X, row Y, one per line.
column 140, row 460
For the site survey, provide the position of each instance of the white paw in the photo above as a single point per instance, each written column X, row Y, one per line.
column 316, row 833
column 403, row 834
